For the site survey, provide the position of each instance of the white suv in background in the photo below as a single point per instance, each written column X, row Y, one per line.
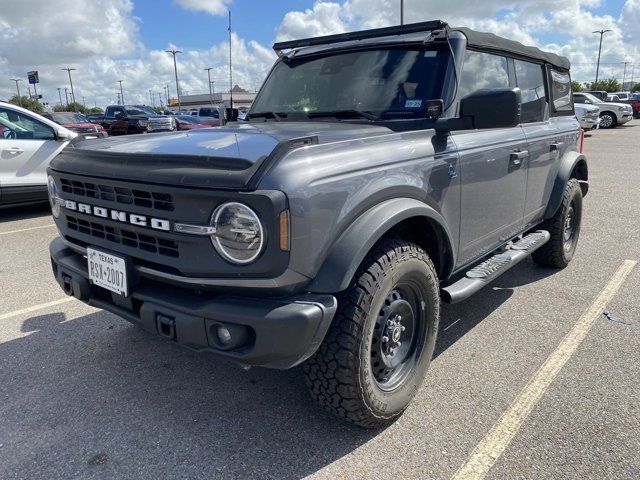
column 611, row 114
column 28, row 142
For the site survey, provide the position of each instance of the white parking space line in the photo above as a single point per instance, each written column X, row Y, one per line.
column 35, row 308
column 496, row 441
column 27, row 229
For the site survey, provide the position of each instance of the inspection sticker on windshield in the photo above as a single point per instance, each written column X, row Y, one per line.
column 413, row 103
column 107, row 271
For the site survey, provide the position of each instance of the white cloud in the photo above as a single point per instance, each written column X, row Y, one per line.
column 212, row 7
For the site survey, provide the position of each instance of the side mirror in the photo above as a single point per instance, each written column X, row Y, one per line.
column 493, row 107
column 63, row 136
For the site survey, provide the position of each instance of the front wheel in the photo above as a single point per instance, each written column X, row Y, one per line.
column 379, row 346
column 608, row 120
column 564, row 228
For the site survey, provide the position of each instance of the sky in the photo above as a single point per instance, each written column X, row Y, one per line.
column 111, row 40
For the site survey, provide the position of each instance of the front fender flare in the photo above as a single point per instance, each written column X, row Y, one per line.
column 347, row 253
column 570, row 162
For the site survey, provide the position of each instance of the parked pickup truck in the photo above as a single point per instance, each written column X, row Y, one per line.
column 125, row 119
column 377, row 174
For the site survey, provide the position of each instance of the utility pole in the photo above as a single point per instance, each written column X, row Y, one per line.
column 83, row 103
column 160, row 97
column 121, row 94
column 167, row 94
column 118, row 102
column 73, row 95
column 66, row 97
column 230, row 66
column 18, row 89
column 210, row 90
column 624, row 75
column 401, row 12
column 601, row 32
column 60, row 96
column 213, row 86
column 175, row 68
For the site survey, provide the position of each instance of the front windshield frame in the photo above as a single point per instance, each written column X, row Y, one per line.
column 145, row 111
column 410, row 94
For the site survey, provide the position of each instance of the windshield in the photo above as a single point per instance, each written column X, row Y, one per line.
column 141, row 110
column 388, row 83
column 66, row 119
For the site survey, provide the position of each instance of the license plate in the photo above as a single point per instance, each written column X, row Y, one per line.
column 107, row 271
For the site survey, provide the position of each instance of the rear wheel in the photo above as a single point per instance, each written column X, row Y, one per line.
column 608, row 120
column 379, row 346
column 564, row 228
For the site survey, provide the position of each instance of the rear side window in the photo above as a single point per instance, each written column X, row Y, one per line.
column 483, row 70
column 530, row 80
column 561, row 91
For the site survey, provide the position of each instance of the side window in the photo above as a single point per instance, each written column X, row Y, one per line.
column 561, row 91
column 577, row 98
column 483, row 70
column 22, row 127
column 109, row 112
column 530, row 80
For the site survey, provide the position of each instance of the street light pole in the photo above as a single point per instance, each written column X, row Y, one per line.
column 210, row 91
column 60, row 96
column 18, row 89
column 601, row 32
column 230, row 66
column 66, row 96
column 175, row 68
column 624, row 75
column 401, row 12
column 121, row 94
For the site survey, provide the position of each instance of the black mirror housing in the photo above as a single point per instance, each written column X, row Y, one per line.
column 493, row 107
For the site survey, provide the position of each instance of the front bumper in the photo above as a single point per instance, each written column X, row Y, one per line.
column 589, row 123
column 627, row 117
column 280, row 332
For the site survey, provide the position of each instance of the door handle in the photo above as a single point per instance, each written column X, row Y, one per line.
column 14, row 150
column 517, row 158
column 554, row 147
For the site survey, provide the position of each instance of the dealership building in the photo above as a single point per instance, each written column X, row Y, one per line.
column 241, row 98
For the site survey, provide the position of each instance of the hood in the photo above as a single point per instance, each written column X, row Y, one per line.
column 80, row 125
column 612, row 104
column 207, row 157
column 583, row 107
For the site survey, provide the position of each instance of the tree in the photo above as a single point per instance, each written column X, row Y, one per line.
column 576, row 86
column 608, row 85
column 28, row 103
column 73, row 107
column 95, row 110
column 636, row 88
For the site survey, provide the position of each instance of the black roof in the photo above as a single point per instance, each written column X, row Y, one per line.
column 479, row 40
column 490, row 41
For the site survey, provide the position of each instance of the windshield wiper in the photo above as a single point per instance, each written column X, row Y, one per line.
column 344, row 114
column 276, row 115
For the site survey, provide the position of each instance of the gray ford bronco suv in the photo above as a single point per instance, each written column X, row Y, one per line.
column 378, row 173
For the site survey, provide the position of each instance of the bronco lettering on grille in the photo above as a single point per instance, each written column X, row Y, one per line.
column 118, row 216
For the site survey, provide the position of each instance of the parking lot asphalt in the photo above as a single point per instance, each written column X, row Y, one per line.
column 84, row 394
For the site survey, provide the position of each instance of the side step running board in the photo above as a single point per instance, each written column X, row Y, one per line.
column 483, row 274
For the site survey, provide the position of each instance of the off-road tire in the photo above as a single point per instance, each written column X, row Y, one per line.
column 340, row 375
column 608, row 120
column 554, row 253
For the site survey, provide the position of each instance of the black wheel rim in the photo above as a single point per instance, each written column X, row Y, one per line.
column 398, row 336
column 570, row 223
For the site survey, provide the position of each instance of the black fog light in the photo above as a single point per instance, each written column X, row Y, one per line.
column 227, row 336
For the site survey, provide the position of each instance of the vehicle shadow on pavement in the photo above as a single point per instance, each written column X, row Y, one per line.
column 11, row 214
column 96, row 396
column 458, row 319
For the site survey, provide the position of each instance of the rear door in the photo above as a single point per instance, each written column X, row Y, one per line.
column 544, row 141
column 492, row 168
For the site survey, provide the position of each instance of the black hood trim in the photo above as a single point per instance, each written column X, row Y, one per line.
column 161, row 169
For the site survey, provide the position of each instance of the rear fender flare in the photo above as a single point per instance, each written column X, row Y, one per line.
column 571, row 162
column 348, row 252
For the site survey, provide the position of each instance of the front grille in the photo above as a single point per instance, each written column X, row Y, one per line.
column 121, row 236
column 123, row 195
column 86, row 129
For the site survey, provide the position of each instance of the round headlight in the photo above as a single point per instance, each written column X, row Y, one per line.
column 239, row 236
column 52, row 188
